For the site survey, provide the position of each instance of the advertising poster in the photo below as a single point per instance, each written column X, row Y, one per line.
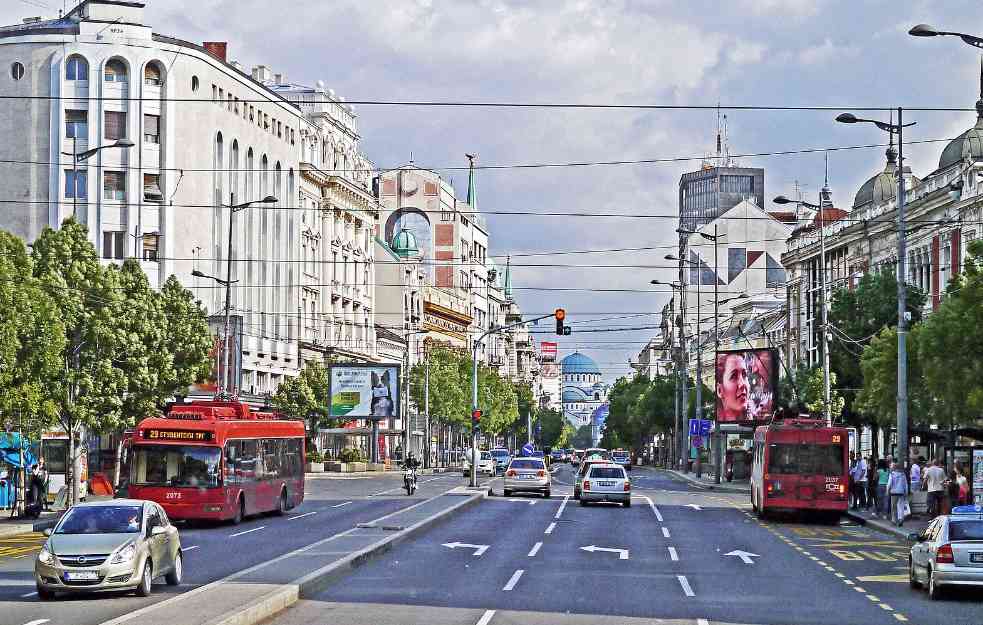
column 978, row 476
column 746, row 384
column 364, row 391
column 547, row 351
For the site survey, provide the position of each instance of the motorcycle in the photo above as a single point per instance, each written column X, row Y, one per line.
column 409, row 481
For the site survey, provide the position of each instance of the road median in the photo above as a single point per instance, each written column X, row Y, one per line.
column 257, row 593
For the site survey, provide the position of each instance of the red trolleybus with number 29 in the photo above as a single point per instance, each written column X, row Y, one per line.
column 218, row 460
column 800, row 464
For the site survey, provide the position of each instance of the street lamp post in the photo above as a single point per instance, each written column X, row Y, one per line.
column 224, row 381
column 824, row 314
column 682, row 448
column 902, row 405
column 81, row 157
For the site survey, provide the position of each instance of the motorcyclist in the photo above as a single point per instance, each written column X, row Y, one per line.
column 411, row 461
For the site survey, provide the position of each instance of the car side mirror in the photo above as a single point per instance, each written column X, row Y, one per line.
column 157, row 530
column 47, row 531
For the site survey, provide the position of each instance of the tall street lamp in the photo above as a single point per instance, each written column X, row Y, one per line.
column 824, row 319
column 81, row 157
column 924, row 30
column 680, row 420
column 233, row 209
column 902, row 409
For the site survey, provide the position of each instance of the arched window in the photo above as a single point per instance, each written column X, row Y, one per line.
column 218, row 158
column 152, row 75
column 250, row 170
column 115, row 71
column 76, row 68
column 234, row 171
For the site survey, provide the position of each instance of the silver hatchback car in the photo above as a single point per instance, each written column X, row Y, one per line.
column 527, row 474
column 605, row 481
column 120, row 544
column 949, row 553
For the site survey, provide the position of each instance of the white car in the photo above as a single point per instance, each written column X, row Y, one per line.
column 527, row 474
column 486, row 464
column 605, row 481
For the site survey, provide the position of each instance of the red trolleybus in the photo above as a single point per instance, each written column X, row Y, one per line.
column 800, row 464
column 218, row 460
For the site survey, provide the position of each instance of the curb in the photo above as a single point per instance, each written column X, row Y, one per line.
column 701, row 484
column 882, row 527
column 27, row 526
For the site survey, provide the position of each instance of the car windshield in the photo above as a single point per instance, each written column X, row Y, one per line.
column 526, row 464
column 101, row 520
column 607, row 473
column 500, row 453
column 620, row 454
column 969, row 529
column 485, row 455
column 175, row 465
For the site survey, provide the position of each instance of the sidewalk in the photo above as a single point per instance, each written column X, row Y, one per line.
column 707, row 482
column 14, row 526
column 913, row 524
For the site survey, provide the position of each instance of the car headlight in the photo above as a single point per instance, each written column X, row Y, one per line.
column 125, row 554
column 45, row 556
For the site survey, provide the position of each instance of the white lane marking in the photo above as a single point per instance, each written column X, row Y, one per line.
column 513, row 580
column 255, row 529
column 341, row 504
column 39, row 621
column 665, row 532
column 702, row 621
column 658, row 515
column 535, row 549
column 549, row 528
column 191, row 548
column 562, row 506
column 486, row 617
column 30, row 594
column 673, row 555
column 301, row 516
column 685, row 584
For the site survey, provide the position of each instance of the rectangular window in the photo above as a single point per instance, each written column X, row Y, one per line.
column 115, row 125
column 214, row 93
column 113, row 244
column 809, row 459
column 252, row 113
column 77, row 124
column 151, row 188
column 151, row 128
column 114, row 185
column 76, row 184
column 150, row 247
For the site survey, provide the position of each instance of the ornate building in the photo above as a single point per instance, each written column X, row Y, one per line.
column 583, row 390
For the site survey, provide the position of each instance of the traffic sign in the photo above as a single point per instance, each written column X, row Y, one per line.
column 699, row 427
column 527, row 449
column 697, row 441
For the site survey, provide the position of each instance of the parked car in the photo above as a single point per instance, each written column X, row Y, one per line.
column 118, row 544
column 501, row 456
column 623, row 458
column 527, row 474
column 605, row 481
column 486, row 464
column 948, row 553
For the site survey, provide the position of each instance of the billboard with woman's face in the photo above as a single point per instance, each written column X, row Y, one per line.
column 746, row 385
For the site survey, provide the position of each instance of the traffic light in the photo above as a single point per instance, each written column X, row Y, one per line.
column 475, row 418
column 560, row 315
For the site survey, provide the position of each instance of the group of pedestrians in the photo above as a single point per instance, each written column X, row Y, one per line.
column 884, row 487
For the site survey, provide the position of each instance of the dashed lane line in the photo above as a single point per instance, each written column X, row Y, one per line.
column 673, row 555
column 255, row 529
column 535, row 549
column 486, row 617
column 191, row 548
column 345, row 503
column 549, row 528
column 513, row 580
column 562, row 506
column 687, row 589
column 665, row 532
column 301, row 516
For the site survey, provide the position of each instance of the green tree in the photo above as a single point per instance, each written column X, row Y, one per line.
column 584, row 437
column 813, row 396
column 857, row 315
column 879, row 364
column 450, row 385
column 306, row 397
column 189, row 338
column 551, row 424
column 623, row 427
column 32, row 340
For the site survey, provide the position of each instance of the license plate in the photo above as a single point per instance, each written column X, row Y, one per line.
column 605, row 483
column 976, row 557
column 527, row 477
column 81, row 576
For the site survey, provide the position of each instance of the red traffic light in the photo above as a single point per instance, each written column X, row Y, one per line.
column 475, row 416
column 560, row 314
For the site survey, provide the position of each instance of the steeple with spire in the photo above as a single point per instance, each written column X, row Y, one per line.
column 508, row 278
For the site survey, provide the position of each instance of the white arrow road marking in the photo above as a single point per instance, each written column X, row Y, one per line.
column 39, row 621
column 622, row 553
column 673, row 555
column 513, row 580
column 693, row 506
column 686, row 587
column 478, row 549
column 255, row 529
column 745, row 556
column 531, row 502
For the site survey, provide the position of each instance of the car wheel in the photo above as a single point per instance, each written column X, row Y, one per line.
column 626, row 503
column 281, row 505
column 177, row 573
column 546, row 494
column 583, row 503
column 507, row 492
column 44, row 594
column 754, row 504
column 240, row 512
column 146, row 581
column 912, row 578
column 934, row 590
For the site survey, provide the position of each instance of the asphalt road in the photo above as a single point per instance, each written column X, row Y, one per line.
column 689, row 556
column 332, row 504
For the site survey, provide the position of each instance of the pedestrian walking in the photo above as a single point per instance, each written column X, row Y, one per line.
column 852, row 486
column 883, row 501
column 934, row 479
column 916, row 474
column 963, row 485
column 897, row 488
column 871, row 484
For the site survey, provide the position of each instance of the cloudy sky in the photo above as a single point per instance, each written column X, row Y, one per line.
column 838, row 53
